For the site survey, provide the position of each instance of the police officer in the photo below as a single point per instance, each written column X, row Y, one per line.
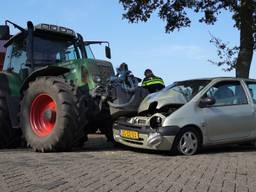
column 151, row 82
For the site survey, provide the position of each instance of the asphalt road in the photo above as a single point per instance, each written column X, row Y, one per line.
column 101, row 167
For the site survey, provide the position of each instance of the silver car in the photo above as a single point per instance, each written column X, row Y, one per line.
column 190, row 114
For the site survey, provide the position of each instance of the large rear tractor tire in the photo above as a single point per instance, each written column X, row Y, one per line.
column 9, row 137
column 82, row 102
column 49, row 115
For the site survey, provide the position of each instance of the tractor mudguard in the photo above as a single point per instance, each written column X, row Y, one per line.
column 12, row 98
column 12, row 101
column 44, row 71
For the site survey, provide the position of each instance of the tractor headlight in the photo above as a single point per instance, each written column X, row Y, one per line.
column 54, row 27
column 63, row 29
column 45, row 26
column 156, row 122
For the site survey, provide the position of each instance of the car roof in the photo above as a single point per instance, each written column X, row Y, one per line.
column 220, row 78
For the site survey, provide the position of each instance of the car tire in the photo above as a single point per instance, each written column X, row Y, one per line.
column 187, row 142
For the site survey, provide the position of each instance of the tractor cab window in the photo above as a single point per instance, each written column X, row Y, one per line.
column 16, row 55
column 89, row 52
column 49, row 51
column 66, row 54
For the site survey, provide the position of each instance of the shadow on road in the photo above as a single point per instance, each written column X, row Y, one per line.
column 98, row 143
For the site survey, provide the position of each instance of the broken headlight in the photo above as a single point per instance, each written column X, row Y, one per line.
column 156, row 122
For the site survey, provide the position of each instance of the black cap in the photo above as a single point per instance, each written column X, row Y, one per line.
column 147, row 71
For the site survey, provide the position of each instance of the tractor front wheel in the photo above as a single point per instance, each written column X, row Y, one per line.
column 49, row 115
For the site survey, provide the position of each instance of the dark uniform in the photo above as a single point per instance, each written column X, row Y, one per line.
column 151, row 82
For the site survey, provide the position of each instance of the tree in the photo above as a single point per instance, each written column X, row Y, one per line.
column 174, row 13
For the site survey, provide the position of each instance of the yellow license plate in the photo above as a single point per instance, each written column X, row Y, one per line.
column 130, row 134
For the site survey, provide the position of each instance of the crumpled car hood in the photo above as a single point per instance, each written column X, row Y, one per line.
column 162, row 98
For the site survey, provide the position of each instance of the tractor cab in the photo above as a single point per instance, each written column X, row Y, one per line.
column 39, row 46
column 54, row 50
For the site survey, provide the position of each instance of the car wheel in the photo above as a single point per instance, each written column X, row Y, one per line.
column 187, row 142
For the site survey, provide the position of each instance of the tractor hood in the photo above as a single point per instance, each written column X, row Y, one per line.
column 101, row 69
column 162, row 98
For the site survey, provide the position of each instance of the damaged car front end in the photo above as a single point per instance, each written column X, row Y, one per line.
column 157, row 122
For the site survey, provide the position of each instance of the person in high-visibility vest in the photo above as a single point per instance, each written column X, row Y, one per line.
column 151, row 82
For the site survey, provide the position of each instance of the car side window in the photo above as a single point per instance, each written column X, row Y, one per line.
column 227, row 93
column 252, row 88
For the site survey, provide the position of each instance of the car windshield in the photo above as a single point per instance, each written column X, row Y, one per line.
column 52, row 50
column 187, row 88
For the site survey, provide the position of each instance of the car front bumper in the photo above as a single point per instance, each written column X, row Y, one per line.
column 161, row 139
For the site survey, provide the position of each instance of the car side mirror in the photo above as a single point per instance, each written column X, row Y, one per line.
column 108, row 52
column 206, row 101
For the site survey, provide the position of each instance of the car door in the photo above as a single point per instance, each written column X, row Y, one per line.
column 251, row 85
column 230, row 118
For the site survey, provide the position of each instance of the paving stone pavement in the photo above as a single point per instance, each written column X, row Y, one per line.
column 101, row 167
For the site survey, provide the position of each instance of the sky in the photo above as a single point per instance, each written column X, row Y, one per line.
column 176, row 56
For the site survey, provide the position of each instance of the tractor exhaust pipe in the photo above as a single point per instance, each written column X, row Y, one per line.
column 30, row 43
column 4, row 36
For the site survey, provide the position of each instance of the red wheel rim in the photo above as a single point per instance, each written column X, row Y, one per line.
column 43, row 115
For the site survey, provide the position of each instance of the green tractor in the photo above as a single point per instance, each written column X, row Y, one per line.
column 48, row 88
